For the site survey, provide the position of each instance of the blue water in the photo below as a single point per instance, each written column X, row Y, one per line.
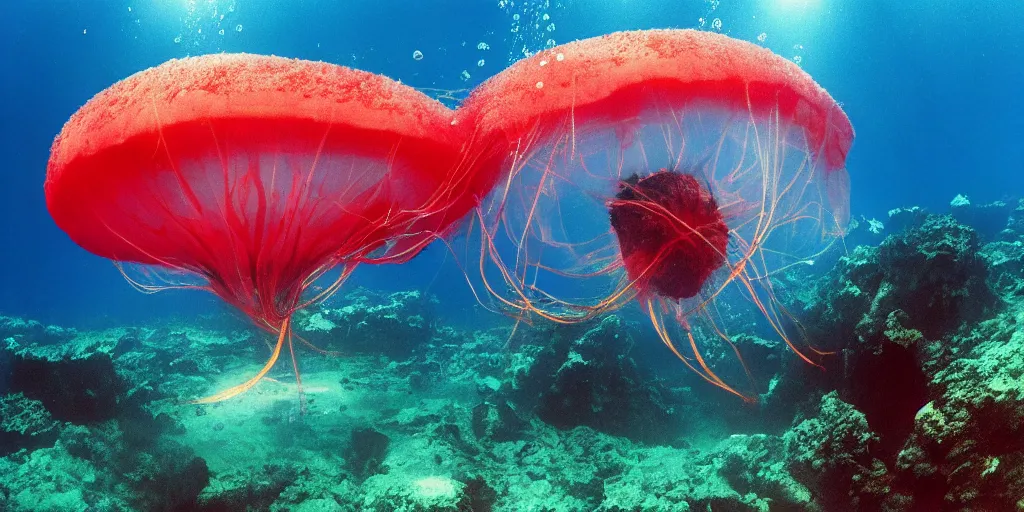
column 933, row 92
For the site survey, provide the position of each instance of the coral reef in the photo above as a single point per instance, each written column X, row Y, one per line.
column 918, row 403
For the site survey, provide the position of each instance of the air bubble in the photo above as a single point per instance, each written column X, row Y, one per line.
column 464, row 75
column 417, row 55
column 238, row 28
column 480, row 63
column 540, row 85
column 716, row 23
column 762, row 37
column 543, row 63
column 559, row 57
column 798, row 59
column 483, row 46
column 221, row 31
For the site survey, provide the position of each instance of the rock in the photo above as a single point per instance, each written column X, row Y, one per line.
column 25, row 424
column 989, row 220
column 864, row 231
column 33, row 332
column 1015, row 223
column 901, row 219
column 966, row 451
column 244, row 490
column 478, row 496
column 52, row 480
column 590, row 379
column 755, row 464
column 435, row 493
column 100, row 469
column 883, row 312
column 1006, row 267
column 75, row 382
column 395, row 325
column 497, row 422
column 650, row 480
column 832, row 454
column 935, row 274
column 365, row 454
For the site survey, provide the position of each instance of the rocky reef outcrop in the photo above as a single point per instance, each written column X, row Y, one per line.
column 394, row 325
column 77, row 435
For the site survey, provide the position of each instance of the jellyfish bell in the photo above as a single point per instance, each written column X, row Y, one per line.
column 254, row 174
column 683, row 170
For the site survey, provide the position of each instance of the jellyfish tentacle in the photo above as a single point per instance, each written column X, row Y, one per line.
column 247, row 385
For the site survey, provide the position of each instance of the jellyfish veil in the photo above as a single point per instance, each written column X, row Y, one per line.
column 679, row 170
column 254, row 175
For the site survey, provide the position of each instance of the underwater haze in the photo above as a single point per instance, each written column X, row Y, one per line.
column 875, row 364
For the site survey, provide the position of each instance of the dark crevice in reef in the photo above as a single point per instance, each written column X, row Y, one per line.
column 889, row 388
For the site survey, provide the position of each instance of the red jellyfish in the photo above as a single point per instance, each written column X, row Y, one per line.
column 256, row 174
column 681, row 169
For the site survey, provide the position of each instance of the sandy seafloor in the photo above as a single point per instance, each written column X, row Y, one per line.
column 920, row 407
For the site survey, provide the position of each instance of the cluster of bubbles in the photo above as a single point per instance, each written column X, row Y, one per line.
column 465, row 75
column 532, row 29
column 203, row 19
column 710, row 8
column 532, row 26
column 715, row 23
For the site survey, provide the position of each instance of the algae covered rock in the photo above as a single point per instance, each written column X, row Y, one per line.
column 832, row 454
column 432, row 493
column 884, row 312
column 966, row 450
column 901, row 219
column 25, row 424
column 75, row 409
column 585, row 375
column 1006, row 267
column 755, row 464
column 987, row 219
column 394, row 325
column 366, row 452
column 77, row 382
column 95, row 470
column 52, row 480
column 250, row 490
column 935, row 274
column 497, row 421
column 33, row 332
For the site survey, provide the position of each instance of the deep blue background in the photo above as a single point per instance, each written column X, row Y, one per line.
column 933, row 91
